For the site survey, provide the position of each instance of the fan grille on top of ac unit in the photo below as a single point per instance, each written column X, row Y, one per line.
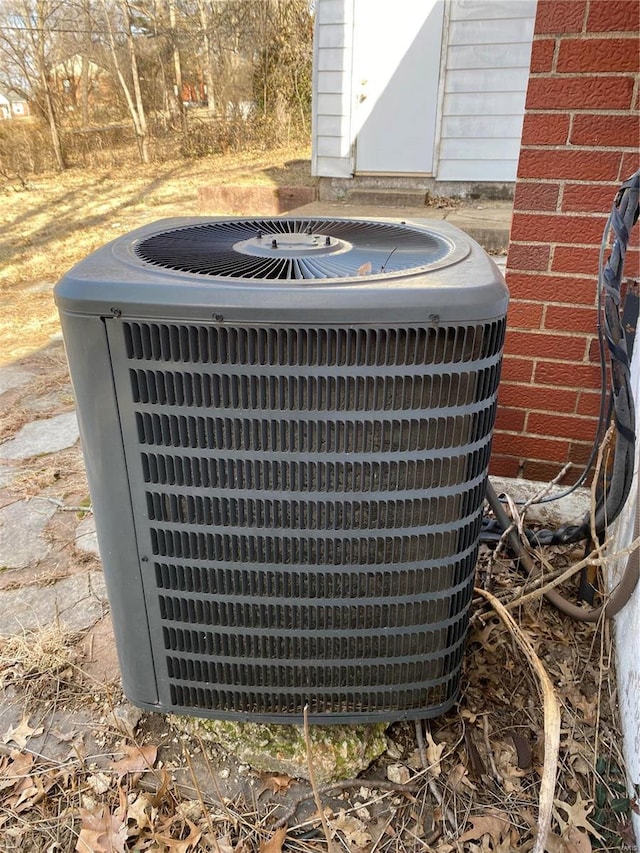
column 290, row 249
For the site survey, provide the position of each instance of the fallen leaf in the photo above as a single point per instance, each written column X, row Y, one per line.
column 137, row 759
column 579, row 840
column 15, row 769
column 139, row 814
column 576, row 828
column 523, row 749
column 181, row 845
column 434, row 752
column 221, row 845
column 277, row 783
column 355, row 831
column 99, row 783
column 493, row 825
column 555, row 844
column 22, row 733
column 30, row 790
column 63, row 737
column 274, row 844
column 458, row 777
column 398, row 774
column 476, row 764
column 101, row 832
column 365, row 269
column 482, row 636
column 362, row 812
column 158, row 798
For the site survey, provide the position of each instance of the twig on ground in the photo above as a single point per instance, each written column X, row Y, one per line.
column 541, row 493
column 551, row 722
column 487, row 745
column 572, row 570
column 204, row 809
column 518, row 516
column 214, row 781
column 431, row 782
column 346, row 784
column 62, row 507
column 312, row 779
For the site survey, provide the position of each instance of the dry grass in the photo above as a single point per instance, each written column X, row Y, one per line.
column 47, row 474
column 40, row 662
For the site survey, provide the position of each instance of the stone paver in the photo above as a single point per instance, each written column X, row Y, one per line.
column 7, row 476
column 40, row 287
column 43, row 436
column 21, row 526
column 77, row 602
column 55, row 400
column 13, row 376
column 86, row 539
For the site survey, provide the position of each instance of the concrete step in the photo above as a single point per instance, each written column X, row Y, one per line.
column 396, row 197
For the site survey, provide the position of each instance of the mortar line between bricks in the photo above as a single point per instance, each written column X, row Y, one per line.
column 597, row 35
column 552, row 182
column 561, row 245
column 581, row 75
column 559, row 274
column 604, row 112
column 546, row 387
column 580, row 111
column 575, row 149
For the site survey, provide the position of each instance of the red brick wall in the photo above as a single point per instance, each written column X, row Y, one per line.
column 580, row 141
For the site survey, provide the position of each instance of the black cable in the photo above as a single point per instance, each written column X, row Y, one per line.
column 619, row 596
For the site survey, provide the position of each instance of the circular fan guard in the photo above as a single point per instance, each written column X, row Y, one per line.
column 292, row 249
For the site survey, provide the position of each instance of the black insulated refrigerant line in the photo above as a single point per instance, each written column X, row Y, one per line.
column 624, row 215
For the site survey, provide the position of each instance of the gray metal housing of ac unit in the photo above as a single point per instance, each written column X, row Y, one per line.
column 281, row 526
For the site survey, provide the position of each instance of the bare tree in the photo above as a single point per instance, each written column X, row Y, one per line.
column 177, row 64
column 27, row 30
column 205, row 14
column 83, row 63
column 283, row 62
column 131, row 88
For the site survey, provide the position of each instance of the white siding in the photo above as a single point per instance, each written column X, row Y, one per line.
column 331, row 154
column 486, row 74
column 485, row 69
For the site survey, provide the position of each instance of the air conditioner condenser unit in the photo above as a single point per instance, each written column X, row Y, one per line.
column 287, row 426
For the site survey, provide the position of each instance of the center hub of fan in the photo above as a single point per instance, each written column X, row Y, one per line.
column 291, row 245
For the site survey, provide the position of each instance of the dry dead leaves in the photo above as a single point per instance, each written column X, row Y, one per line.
column 137, row 759
column 274, row 843
column 478, row 793
column 99, row 811
column 101, row 832
column 20, row 734
column 277, row 782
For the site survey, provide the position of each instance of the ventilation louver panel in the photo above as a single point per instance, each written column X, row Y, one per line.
column 303, row 497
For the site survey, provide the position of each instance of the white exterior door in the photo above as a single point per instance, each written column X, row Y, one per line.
column 396, row 69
